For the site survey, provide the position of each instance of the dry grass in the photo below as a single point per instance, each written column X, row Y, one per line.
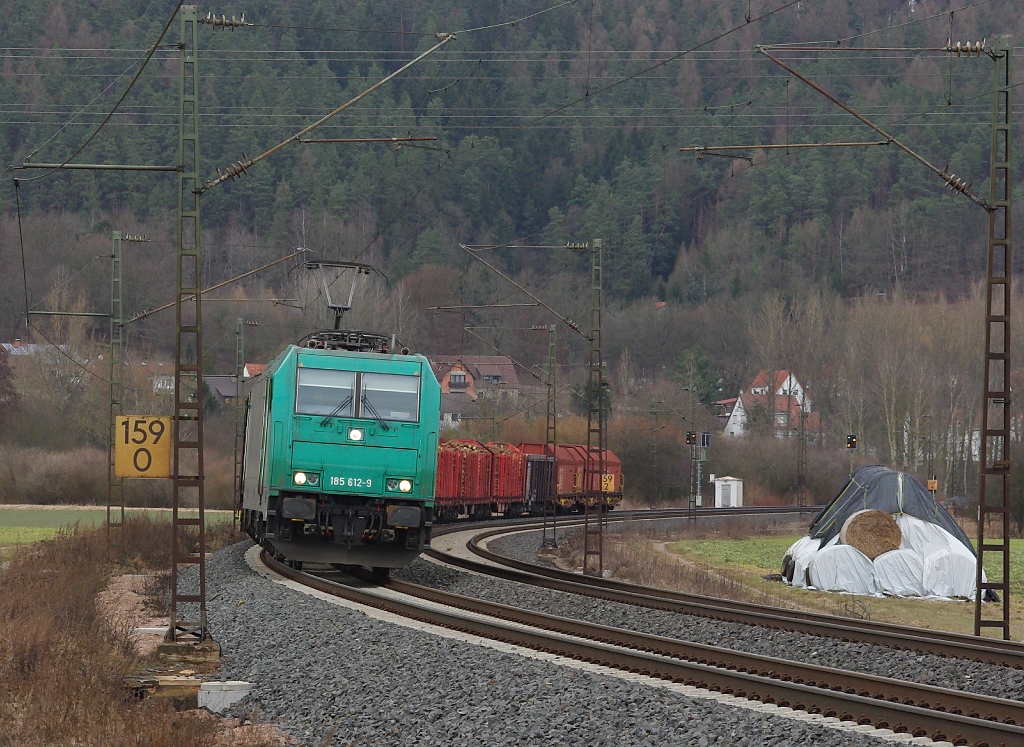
column 61, row 664
column 637, row 555
column 77, row 477
column 49, row 477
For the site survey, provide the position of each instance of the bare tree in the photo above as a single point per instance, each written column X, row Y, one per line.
column 899, row 226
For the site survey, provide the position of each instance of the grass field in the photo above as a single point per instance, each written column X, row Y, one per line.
column 748, row 560
column 23, row 524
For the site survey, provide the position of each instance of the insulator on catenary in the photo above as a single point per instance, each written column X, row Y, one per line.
column 962, row 49
column 224, row 22
column 235, row 170
column 958, row 185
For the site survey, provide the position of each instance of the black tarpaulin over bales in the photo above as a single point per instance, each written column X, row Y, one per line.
column 883, row 489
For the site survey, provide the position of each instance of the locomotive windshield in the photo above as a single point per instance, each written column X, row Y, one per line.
column 323, row 392
column 391, row 396
column 382, row 396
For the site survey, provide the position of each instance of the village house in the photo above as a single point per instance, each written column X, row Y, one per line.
column 467, row 379
column 783, row 399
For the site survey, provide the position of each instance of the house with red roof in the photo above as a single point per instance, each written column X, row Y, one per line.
column 779, row 396
column 252, row 370
column 467, row 379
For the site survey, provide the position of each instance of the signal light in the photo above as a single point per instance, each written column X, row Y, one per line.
column 691, row 438
column 851, row 441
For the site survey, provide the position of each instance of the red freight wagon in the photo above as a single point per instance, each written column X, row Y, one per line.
column 463, row 479
column 448, row 470
column 508, row 478
column 507, row 471
column 611, row 480
column 571, row 466
column 476, row 471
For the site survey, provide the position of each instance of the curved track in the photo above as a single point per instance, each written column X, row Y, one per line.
column 919, row 640
column 919, row 710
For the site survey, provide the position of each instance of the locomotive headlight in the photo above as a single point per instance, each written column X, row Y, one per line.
column 405, row 485
column 299, row 478
column 355, row 434
column 312, row 479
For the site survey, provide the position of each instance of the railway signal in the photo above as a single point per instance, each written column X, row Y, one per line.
column 851, row 441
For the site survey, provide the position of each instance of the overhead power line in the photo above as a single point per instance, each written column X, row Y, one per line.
column 138, row 73
column 667, row 60
column 234, row 171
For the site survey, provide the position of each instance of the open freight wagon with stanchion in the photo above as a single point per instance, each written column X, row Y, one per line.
column 480, row 480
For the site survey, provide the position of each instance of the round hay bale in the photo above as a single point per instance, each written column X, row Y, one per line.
column 872, row 532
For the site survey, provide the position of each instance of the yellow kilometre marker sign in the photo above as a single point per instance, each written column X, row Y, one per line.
column 142, row 447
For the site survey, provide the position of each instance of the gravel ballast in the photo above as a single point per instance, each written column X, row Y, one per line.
column 964, row 675
column 326, row 672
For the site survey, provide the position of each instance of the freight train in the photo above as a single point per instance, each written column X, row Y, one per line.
column 340, row 454
column 480, row 480
column 342, row 465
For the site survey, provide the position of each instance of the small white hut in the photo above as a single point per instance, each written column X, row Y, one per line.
column 728, row 491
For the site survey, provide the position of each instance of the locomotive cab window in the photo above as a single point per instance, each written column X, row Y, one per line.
column 324, row 392
column 390, row 397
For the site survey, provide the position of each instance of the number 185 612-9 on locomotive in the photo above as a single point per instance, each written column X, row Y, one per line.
column 341, row 454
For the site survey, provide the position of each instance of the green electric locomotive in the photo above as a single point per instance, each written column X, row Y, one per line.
column 341, row 454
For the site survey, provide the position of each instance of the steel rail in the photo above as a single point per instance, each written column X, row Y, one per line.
column 765, row 684
column 920, row 640
column 620, row 515
column 990, row 708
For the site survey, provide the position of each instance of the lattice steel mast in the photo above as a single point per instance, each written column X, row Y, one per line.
column 594, row 508
column 994, row 466
column 549, row 536
column 115, row 485
column 187, row 549
column 801, row 460
column 239, row 403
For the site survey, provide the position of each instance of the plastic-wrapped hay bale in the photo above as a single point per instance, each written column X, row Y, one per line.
column 951, row 573
column 872, row 532
column 900, row 573
column 842, row 568
column 799, row 555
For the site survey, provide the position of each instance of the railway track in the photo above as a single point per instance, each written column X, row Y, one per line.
column 904, row 707
column 918, row 640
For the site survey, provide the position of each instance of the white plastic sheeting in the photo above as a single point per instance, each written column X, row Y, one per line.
column 950, row 573
column 931, row 562
column 843, row 568
column 802, row 551
column 900, row 573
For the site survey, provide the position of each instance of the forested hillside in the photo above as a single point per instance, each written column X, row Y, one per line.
column 564, row 126
column 511, row 162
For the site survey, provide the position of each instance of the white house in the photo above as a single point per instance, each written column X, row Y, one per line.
column 788, row 399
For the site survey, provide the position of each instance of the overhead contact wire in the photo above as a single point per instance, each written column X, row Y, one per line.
column 232, row 172
column 837, row 42
column 518, row 20
column 106, row 119
column 664, row 62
